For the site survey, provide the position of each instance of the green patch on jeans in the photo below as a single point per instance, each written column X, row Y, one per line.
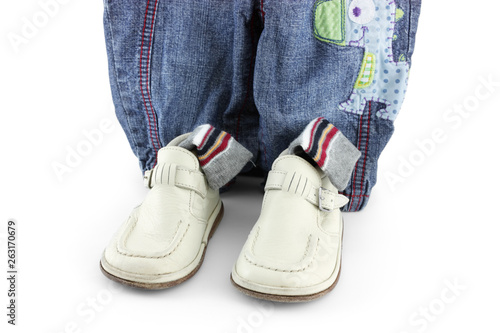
column 399, row 14
column 329, row 21
column 367, row 72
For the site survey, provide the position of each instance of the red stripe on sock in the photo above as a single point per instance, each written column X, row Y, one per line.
column 325, row 145
column 219, row 149
column 312, row 133
column 210, row 130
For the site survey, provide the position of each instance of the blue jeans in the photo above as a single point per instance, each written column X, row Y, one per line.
column 261, row 71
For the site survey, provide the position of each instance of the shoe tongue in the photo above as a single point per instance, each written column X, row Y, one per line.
column 179, row 156
column 293, row 163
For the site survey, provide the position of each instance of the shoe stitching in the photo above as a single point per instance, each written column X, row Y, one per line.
column 158, row 257
column 136, row 274
column 286, row 270
column 183, row 151
column 307, row 246
column 307, row 165
column 194, row 188
column 255, row 239
column 130, row 231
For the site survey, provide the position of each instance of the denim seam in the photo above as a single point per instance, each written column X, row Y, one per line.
column 145, row 85
column 355, row 195
column 264, row 150
column 366, row 153
column 262, row 12
column 127, row 117
column 358, row 184
column 356, row 167
column 410, row 33
column 250, row 77
column 261, row 125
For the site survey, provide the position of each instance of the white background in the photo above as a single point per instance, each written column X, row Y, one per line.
column 438, row 225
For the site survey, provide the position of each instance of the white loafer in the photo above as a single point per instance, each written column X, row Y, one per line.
column 163, row 242
column 293, row 253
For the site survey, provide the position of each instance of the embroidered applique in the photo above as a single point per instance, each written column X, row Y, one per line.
column 329, row 21
column 399, row 14
column 368, row 24
column 367, row 72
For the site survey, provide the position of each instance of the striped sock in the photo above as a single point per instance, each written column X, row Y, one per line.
column 221, row 156
column 329, row 149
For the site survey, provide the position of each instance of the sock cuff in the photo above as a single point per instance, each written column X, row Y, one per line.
column 221, row 157
column 330, row 149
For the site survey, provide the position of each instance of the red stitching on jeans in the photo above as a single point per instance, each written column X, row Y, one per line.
column 265, row 151
column 140, row 80
column 366, row 151
column 354, row 195
column 262, row 12
column 149, row 66
column 249, row 81
column 356, row 167
column 140, row 67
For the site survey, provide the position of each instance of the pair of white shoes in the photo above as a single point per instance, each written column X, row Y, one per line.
column 292, row 254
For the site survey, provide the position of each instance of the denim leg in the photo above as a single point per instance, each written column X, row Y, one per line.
column 345, row 60
column 127, row 26
column 175, row 65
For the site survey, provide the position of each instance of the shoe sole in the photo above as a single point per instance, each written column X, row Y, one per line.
column 292, row 298
column 285, row 298
column 168, row 284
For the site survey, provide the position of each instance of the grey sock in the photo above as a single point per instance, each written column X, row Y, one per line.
column 329, row 149
column 221, row 156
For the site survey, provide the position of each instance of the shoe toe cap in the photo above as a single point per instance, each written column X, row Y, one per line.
column 276, row 276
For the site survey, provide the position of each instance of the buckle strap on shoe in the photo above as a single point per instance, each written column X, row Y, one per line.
column 174, row 175
column 293, row 182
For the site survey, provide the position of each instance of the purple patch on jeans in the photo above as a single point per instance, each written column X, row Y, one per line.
column 356, row 11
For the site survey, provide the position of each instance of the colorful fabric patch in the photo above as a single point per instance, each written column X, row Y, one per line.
column 361, row 11
column 329, row 148
column 399, row 14
column 365, row 77
column 221, row 156
column 329, row 21
column 369, row 24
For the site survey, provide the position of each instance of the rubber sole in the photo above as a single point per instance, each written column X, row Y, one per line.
column 285, row 298
column 293, row 298
column 169, row 284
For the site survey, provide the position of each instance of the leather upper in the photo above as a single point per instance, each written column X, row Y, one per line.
column 167, row 232
column 296, row 242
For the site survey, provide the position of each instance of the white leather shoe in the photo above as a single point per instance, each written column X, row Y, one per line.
column 163, row 241
column 293, row 252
